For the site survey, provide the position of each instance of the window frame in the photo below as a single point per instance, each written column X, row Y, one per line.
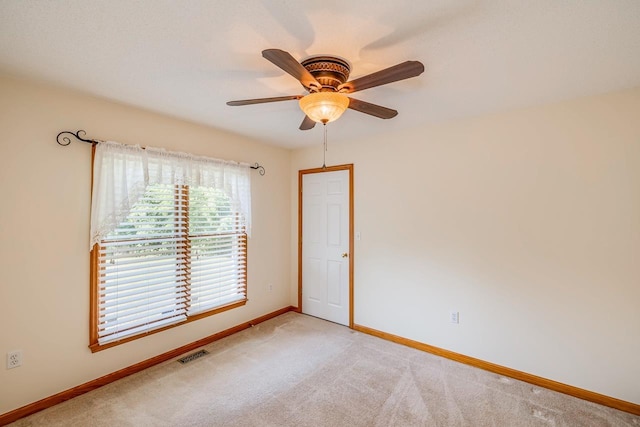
column 94, row 285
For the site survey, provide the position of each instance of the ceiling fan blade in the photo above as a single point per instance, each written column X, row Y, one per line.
column 263, row 100
column 401, row 71
column 307, row 123
column 289, row 64
column 372, row 109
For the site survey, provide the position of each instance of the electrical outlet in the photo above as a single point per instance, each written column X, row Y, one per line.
column 270, row 287
column 454, row 317
column 14, row 359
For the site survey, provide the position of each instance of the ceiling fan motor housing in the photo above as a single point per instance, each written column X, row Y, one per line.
column 329, row 71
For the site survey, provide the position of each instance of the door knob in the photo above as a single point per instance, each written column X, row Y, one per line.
column 344, row 255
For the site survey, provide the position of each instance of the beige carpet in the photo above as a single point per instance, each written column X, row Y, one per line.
column 296, row 370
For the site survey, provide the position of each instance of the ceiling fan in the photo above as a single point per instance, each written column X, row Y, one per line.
column 326, row 79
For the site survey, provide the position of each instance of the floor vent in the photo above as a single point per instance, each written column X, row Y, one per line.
column 193, row 356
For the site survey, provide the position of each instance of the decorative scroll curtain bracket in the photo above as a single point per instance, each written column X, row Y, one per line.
column 65, row 140
column 260, row 168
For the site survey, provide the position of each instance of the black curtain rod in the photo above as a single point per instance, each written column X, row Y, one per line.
column 64, row 140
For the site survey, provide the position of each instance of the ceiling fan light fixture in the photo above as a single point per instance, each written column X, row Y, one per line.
column 324, row 107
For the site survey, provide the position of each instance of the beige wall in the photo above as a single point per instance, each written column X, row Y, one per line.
column 526, row 222
column 44, row 234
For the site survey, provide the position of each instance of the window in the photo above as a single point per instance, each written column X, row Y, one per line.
column 176, row 254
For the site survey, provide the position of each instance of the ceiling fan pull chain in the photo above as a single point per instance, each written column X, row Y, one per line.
column 324, row 152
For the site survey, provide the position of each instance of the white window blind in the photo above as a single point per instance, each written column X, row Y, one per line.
column 143, row 273
column 218, row 251
column 170, row 240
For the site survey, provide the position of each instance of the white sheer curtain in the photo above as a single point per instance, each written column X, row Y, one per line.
column 121, row 173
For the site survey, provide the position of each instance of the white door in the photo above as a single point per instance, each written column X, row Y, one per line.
column 325, row 245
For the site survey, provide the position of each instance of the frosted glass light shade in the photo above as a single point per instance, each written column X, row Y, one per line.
column 324, row 107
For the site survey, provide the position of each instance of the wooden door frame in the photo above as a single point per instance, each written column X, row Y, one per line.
column 301, row 173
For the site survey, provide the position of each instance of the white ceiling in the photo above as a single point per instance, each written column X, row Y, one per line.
column 187, row 58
